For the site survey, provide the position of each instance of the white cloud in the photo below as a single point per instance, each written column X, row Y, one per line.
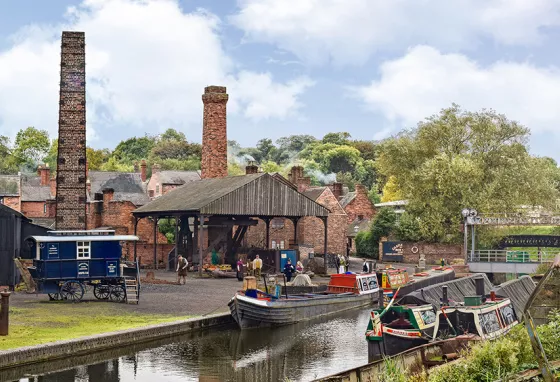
column 147, row 65
column 350, row 31
column 424, row 81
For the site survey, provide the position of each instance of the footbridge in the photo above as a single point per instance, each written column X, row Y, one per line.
column 503, row 261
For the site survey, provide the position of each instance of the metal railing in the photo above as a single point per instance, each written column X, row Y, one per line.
column 503, row 256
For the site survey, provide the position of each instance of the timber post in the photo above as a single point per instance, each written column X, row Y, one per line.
column 155, row 243
column 136, row 220
column 325, row 243
column 200, row 244
column 4, row 313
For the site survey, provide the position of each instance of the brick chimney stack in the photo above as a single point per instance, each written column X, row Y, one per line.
column 108, row 194
column 143, row 170
column 303, row 183
column 214, row 133
column 336, row 189
column 251, row 168
column 45, row 174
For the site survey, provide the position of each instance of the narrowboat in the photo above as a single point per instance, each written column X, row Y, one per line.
column 398, row 328
column 253, row 308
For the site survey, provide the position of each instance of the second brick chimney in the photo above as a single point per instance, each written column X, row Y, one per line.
column 45, row 174
column 336, row 189
column 143, row 171
column 214, row 133
column 251, row 168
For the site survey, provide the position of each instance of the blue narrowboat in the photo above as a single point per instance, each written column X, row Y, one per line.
column 68, row 263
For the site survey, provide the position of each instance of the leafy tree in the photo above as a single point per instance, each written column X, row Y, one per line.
column 391, row 191
column 8, row 163
column 172, row 149
column 364, row 245
column 382, row 225
column 295, row 143
column 173, row 135
column 189, row 164
column 52, row 155
column 337, row 138
column 114, row 165
column 96, row 158
column 271, row 167
column 373, row 195
column 134, row 149
column 365, row 173
column 340, row 159
column 235, row 169
column 408, row 228
column 457, row 159
column 367, row 149
column 31, row 146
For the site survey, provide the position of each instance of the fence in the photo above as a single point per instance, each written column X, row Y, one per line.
column 501, row 256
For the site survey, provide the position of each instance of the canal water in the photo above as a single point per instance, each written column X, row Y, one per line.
column 299, row 352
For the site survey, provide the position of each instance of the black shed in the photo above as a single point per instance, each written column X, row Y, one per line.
column 14, row 228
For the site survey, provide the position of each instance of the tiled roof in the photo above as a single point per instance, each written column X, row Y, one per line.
column 9, row 185
column 127, row 186
column 178, row 177
column 33, row 191
column 44, row 222
column 357, row 226
column 313, row 193
column 347, row 199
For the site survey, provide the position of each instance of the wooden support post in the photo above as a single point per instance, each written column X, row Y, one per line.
column 136, row 220
column 325, row 262
column 178, row 242
column 200, row 244
column 267, row 221
column 4, row 313
column 155, row 243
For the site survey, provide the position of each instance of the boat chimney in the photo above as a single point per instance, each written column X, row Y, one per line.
column 492, row 295
column 444, row 299
column 479, row 283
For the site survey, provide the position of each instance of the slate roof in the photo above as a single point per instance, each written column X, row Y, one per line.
column 178, row 177
column 32, row 191
column 9, row 185
column 314, row 192
column 249, row 195
column 127, row 186
column 44, row 222
column 362, row 225
column 347, row 199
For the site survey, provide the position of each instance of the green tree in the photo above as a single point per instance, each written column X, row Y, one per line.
column 457, row 159
column 52, row 155
column 96, row 158
column 114, row 165
column 31, row 146
column 340, row 159
column 383, row 224
column 173, row 135
column 337, row 138
column 367, row 149
column 134, row 149
column 408, row 228
column 295, row 143
column 8, row 163
column 271, row 167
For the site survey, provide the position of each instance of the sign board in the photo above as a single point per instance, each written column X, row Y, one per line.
column 112, row 268
column 393, row 251
column 83, row 269
column 52, row 249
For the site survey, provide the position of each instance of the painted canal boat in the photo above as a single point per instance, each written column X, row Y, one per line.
column 398, row 328
column 253, row 308
column 392, row 279
column 67, row 262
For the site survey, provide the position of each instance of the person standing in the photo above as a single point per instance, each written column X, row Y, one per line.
column 249, row 267
column 342, row 265
column 240, row 269
column 257, row 265
column 182, row 265
column 289, row 269
column 347, row 262
column 299, row 267
column 337, row 263
column 365, row 267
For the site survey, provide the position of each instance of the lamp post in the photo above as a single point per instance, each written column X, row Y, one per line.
column 466, row 213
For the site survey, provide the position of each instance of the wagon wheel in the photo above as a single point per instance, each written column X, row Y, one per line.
column 117, row 293
column 72, row 290
column 101, row 292
column 54, row 297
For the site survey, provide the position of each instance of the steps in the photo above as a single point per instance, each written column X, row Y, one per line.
column 132, row 290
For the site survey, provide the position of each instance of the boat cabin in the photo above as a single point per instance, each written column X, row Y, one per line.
column 354, row 283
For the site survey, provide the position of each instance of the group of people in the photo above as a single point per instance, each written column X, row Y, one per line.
column 342, row 263
column 254, row 268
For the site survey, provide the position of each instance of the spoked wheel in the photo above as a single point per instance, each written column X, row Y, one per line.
column 72, row 291
column 101, row 292
column 117, row 293
column 54, row 297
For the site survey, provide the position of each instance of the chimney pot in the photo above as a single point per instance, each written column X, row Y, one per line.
column 108, row 194
column 44, row 173
column 143, row 171
column 336, row 189
column 251, row 168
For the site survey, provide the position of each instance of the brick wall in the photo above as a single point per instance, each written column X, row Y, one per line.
column 155, row 182
column 214, row 133
column 12, row 202
column 168, row 187
column 361, row 205
column 71, row 166
column 35, row 209
column 433, row 252
column 256, row 235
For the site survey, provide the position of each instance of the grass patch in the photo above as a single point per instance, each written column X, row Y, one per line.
column 42, row 323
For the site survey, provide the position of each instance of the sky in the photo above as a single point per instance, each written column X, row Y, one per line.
column 368, row 67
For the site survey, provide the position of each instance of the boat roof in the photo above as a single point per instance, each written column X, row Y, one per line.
column 60, row 239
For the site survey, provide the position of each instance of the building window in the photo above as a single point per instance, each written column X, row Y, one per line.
column 277, row 223
column 45, row 208
column 273, row 244
column 83, row 249
column 281, row 244
column 61, row 160
column 157, row 188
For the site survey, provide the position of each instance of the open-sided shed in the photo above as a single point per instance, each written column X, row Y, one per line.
column 222, row 204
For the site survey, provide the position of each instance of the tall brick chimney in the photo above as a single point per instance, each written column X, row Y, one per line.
column 108, row 194
column 296, row 174
column 52, row 183
column 214, row 133
column 45, row 174
column 303, row 183
column 143, row 170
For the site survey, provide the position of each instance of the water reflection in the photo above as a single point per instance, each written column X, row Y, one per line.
column 299, row 352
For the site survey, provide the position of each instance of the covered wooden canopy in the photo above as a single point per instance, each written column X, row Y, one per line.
column 236, row 199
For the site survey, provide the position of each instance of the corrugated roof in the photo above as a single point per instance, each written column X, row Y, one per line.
column 33, row 191
column 9, row 185
column 313, row 193
column 127, row 186
column 347, row 199
column 178, row 177
column 249, row 195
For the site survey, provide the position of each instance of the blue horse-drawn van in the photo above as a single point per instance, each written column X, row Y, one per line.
column 66, row 263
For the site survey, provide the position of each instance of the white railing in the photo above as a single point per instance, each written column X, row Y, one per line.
column 503, row 256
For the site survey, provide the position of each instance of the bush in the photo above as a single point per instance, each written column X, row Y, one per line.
column 408, row 228
column 365, row 245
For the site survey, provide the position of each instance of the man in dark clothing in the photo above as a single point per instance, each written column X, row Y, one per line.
column 288, row 270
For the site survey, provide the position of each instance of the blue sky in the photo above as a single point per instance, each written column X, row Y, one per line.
column 369, row 67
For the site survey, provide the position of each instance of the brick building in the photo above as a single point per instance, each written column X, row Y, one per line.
column 162, row 182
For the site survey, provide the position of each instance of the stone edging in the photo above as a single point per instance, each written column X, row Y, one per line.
column 83, row 345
